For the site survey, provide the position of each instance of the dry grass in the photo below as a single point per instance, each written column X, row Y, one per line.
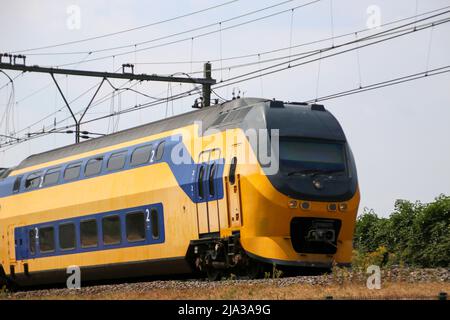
column 400, row 290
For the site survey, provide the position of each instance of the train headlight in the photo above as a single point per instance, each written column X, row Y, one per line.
column 332, row 207
column 305, row 205
column 343, row 206
column 293, row 204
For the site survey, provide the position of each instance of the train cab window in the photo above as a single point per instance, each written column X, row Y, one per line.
column 32, row 241
column 135, row 223
column 72, row 171
column 201, row 174
column 160, row 151
column 232, row 173
column 51, row 177
column 111, row 230
column 46, row 239
column 67, row 236
column 116, row 161
column 93, row 166
column 33, row 180
column 16, row 186
column 88, row 233
column 212, row 174
column 141, row 155
column 154, row 220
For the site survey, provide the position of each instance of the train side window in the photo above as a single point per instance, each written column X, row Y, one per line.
column 154, row 220
column 32, row 241
column 141, row 155
column 16, row 186
column 111, row 230
column 135, row 223
column 72, row 171
column 88, row 233
column 232, row 173
column 93, row 166
column 51, row 177
column 160, row 151
column 33, row 180
column 116, row 161
column 212, row 174
column 46, row 239
column 67, row 236
column 201, row 173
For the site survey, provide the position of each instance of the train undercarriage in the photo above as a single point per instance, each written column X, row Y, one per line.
column 221, row 258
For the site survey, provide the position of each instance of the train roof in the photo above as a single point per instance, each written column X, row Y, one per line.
column 219, row 116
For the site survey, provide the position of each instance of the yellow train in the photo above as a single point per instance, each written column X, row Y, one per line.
column 191, row 193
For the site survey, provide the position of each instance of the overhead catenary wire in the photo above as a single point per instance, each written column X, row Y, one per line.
column 63, row 107
column 127, row 30
column 106, row 97
column 383, row 84
column 179, row 97
column 251, row 75
column 359, row 40
column 304, row 52
column 190, row 38
column 247, row 79
column 256, row 54
column 207, row 26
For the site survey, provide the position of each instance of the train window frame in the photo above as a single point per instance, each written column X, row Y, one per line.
column 154, row 221
column 122, row 154
column 38, row 176
column 71, row 166
column 51, row 172
column 43, row 230
column 201, row 174
column 134, row 164
column 160, row 150
column 211, row 180
column 96, row 233
column 32, row 241
column 74, row 236
column 127, row 231
column 17, row 183
column 97, row 159
column 119, row 233
column 232, row 171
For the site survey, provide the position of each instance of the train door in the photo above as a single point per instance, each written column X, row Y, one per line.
column 16, row 247
column 207, row 188
column 17, row 250
column 234, row 194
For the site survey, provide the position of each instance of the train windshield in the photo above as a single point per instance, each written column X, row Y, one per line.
column 305, row 157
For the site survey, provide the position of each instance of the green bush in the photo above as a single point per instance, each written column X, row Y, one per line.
column 415, row 234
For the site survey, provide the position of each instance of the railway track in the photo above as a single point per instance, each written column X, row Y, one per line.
column 413, row 283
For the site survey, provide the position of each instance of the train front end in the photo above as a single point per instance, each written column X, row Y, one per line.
column 303, row 213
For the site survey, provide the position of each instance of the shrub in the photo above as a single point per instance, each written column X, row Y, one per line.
column 415, row 234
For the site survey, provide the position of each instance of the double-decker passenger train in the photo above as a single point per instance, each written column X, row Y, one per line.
column 190, row 193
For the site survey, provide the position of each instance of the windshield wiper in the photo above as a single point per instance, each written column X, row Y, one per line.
column 304, row 172
column 314, row 172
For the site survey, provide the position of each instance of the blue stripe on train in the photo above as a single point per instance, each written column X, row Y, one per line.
column 22, row 240
column 186, row 174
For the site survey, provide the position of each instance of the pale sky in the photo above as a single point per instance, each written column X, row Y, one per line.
column 400, row 135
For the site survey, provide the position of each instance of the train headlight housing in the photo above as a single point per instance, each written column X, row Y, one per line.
column 332, row 207
column 343, row 206
column 305, row 205
column 293, row 204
